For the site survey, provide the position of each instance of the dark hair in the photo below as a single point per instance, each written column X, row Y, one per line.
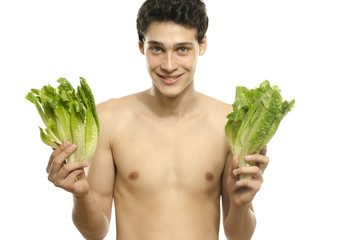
column 189, row 13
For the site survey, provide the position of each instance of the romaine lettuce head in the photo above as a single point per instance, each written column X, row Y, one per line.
column 68, row 115
column 256, row 116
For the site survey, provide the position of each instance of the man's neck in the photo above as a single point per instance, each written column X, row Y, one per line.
column 174, row 108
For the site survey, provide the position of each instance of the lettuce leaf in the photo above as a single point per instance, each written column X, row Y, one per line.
column 68, row 115
column 256, row 116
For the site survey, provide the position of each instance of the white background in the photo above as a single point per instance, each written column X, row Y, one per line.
column 311, row 49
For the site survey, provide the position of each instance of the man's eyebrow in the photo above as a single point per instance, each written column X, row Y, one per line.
column 181, row 44
column 152, row 42
column 184, row 44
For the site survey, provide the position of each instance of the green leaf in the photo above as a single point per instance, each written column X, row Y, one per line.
column 46, row 139
column 89, row 98
column 30, row 96
column 68, row 116
column 255, row 119
column 78, row 134
column 91, row 135
column 52, row 131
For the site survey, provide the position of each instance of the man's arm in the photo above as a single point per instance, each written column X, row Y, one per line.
column 91, row 221
column 92, row 212
column 93, row 194
column 237, row 196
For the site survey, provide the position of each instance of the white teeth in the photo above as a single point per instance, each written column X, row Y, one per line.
column 169, row 78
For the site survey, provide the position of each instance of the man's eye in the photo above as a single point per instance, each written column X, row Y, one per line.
column 156, row 49
column 182, row 50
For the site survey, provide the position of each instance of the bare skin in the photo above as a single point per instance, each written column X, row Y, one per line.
column 162, row 156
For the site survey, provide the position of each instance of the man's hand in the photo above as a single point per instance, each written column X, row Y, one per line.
column 71, row 176
column 243, row 191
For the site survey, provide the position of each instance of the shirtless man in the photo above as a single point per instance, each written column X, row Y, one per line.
column 162, row 155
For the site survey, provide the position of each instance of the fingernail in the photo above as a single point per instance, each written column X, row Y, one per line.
column 66, row 144
column 235, row 172
column 85, row 164
column 248, row 157
column 72, row 147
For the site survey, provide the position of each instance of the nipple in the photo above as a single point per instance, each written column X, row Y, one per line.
column 133, row 175
column 209, row 176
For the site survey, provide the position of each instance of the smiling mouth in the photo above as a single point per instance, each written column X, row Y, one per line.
column 170, row 80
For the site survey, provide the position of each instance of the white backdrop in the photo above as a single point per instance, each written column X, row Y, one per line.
column 311, row 49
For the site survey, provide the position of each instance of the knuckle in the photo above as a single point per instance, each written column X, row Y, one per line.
column 240, row 183
column 53, row 155
column 56, row 183
column 58, row 161
column 261, row 180
column 63, row 146
column 66, row 168
column 68, row 150
column 50, row 178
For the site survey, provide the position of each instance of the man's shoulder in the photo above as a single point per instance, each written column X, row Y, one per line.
column 122, row 104
column 118, row 109
column 216, row 112
column 216, row 106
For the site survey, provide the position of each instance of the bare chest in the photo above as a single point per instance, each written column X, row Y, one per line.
column 152, row 157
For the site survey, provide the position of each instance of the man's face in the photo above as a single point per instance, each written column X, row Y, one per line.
column 171, row 52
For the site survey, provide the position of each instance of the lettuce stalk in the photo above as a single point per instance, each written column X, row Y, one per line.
column 68, row 115
column 256, row 116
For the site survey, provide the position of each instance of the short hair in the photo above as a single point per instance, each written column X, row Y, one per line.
column 188, row 13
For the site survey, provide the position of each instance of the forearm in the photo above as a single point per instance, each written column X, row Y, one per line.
column 240, row 222
column 90, row 220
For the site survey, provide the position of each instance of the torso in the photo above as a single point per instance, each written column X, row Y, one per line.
column 168, row 173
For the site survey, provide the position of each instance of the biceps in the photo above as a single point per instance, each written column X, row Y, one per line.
column 101, row 175
column 224, row 187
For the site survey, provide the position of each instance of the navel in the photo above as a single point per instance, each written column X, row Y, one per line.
column 209, row 176
column 133, row 175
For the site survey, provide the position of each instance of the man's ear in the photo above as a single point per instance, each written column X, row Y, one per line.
column 141, row 46
column 203, row 46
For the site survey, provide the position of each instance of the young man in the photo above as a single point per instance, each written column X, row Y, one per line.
column 162, row 154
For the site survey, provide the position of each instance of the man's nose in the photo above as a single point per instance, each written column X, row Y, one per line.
column 169, row 63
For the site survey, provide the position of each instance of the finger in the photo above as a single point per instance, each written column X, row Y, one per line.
column 66, row 183
column 67, row 169
column 264, row 164
column 234, row 165
column 75, row 176
column 255, row 172
column 250, row 184
column 235, row 162
column 56, row 144
column 59, row 161
column 246, row 170
column 264, row 150
column 55, row 153
column 261, row 160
